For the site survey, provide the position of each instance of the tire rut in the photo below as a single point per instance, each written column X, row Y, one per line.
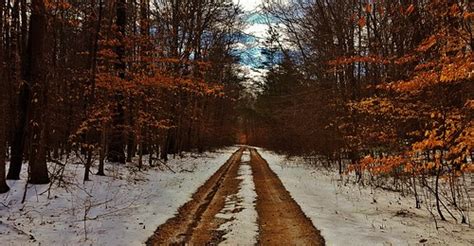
column 195, row 222
column 281, row 220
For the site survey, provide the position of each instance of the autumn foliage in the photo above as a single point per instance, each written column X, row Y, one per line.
column 115, row 80
column 381, row 89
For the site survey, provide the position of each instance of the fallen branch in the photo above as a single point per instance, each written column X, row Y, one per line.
column 164, row 164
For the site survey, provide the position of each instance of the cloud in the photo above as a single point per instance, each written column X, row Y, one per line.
column 248, row 5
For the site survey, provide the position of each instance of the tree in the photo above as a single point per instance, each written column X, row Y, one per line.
column 20, row 117
column 384, row 84
column 3, row 106
column 36, row 77
column 117, row 141
column 98, row 77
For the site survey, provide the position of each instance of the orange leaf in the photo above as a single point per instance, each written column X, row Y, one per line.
column 427, row 44
column 468, row 15
column 362, row 22
column 368, row 8
column 410, row 9
column 380, row 10
column 454, row 10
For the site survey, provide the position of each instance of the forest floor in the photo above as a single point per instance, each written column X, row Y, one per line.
column 238, row 195
column 351, row 214
column 123, row 208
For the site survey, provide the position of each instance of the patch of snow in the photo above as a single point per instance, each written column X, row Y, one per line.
column 354, row 215
column 124, row 208
column 246, row 158
column 242, row 227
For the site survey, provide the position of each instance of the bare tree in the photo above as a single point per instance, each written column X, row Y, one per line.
column 36, row 77
column 3, row 107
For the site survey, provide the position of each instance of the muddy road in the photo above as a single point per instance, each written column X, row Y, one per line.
column 280, row 219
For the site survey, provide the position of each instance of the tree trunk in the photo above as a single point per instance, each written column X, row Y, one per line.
column 437, row 197
column 18, row 142
column 93, row 65
column 103, row 146
column 131, row 138
column 87, row 168
column 3, row 99
column 150, row 155
column 3, row 184
column 36, row 77
column 140, row 155
column 20, row 121
column 339, row 162
column 164, row 150
column 24, row 29
column 116, row 144
column 415, row 190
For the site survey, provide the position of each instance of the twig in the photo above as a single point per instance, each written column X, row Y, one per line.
column 186, row 170
column 16, row 229
column 164, row 164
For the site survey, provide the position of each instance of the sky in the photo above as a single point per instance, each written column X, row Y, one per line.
column 248, row 5
column 251, row 58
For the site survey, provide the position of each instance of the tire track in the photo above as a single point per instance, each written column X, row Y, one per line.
column 281, row 220
column 195, row 222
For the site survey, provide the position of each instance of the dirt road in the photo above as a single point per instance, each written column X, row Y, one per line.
column 281, row 221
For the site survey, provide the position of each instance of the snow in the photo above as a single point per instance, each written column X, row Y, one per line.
column 354, row 215
column 124, row 208
column 242, row 226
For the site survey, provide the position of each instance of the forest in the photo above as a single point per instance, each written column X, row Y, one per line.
column 379, row 92
column 380, row 89
column 114, row 79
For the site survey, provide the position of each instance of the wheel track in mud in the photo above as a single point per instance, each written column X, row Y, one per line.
column 195, row 222
column 280, row 219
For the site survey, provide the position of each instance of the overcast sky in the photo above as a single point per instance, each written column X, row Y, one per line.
column 252, row 50
column 248, row 5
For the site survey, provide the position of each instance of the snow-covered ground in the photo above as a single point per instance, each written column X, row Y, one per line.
column 123, row 208
column 242, row 227
column 351, row 215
